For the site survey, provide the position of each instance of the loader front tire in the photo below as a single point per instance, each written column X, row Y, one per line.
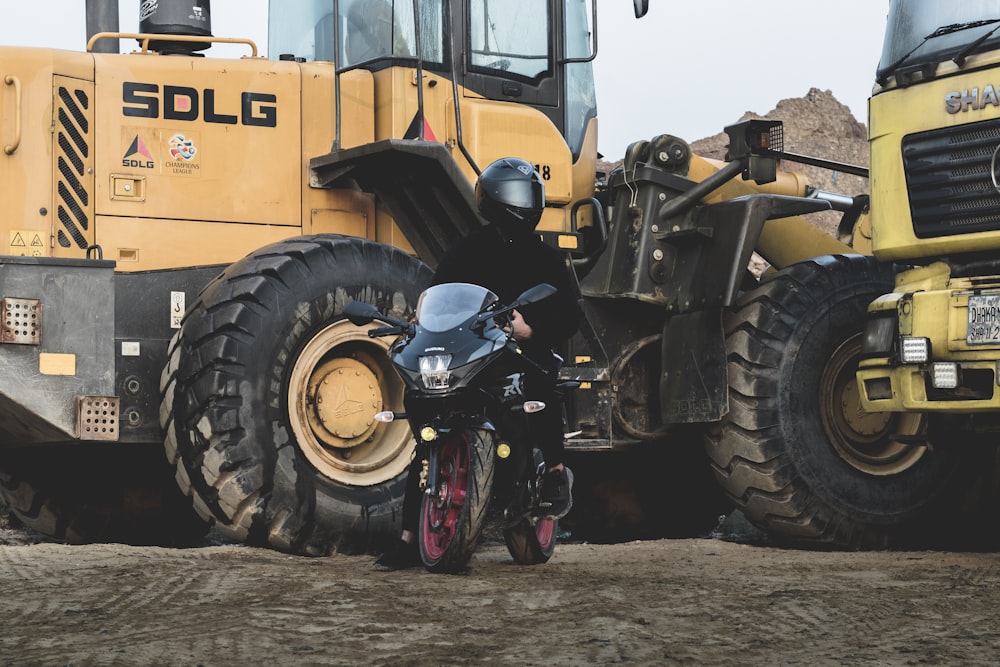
column 796, row 453
column 269, row 396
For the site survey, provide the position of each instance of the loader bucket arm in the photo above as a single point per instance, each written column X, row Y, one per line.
column 418, row 182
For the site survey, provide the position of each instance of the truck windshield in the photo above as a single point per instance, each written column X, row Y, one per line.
column 928, row 32
column 371, row 31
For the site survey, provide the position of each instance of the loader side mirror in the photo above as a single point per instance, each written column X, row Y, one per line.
column 360, row 313
column 641, row 7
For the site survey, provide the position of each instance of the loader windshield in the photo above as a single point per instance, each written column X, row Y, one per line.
column 920, row 34
column 372, row 31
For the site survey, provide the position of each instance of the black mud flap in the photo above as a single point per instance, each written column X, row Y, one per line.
column 712, row 258
column 693, row 383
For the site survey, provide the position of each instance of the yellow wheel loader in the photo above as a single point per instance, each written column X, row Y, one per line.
column 182, row 233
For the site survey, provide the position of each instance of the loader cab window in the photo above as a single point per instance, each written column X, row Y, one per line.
column 305, row 32
column 581, row 100
column 924, row 33
column 384, row 32
column 510, row 38
column 372, row 32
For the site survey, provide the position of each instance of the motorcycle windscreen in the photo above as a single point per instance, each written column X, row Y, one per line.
column 447, row 306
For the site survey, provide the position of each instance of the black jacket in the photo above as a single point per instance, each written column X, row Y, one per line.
column 508, row 269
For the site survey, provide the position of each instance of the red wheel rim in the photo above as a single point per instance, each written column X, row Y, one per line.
column 545, row 532
column 441, row 512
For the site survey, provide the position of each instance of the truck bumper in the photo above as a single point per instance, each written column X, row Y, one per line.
column 933, row 345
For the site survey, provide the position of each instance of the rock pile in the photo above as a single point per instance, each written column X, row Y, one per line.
column 816, row 125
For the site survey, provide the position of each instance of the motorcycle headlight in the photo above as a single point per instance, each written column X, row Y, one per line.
column 434, row 371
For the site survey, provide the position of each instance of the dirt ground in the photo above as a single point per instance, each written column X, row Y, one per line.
column 669, row 602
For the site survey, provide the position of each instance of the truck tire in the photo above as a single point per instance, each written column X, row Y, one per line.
column 269, row 396
column 795, row 453
column 126, row 494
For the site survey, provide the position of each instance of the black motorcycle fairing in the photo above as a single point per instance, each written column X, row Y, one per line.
column 448, row 323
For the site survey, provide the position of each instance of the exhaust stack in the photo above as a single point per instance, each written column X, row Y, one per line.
column 102, row 16
column 176, row 17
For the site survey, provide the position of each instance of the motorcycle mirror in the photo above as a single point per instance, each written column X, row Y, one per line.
column 360, row 313
column 534, row 294
column 530, row 295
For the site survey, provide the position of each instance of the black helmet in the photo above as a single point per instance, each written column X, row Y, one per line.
column 510, row 194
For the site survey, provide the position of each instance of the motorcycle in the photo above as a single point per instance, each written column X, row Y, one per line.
column 465, row 402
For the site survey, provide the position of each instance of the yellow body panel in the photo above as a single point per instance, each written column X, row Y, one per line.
column 29, row 81
column 238, row 168
column 490, row 129
column 899, row 112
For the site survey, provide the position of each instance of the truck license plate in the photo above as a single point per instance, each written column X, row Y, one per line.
column 984, row 320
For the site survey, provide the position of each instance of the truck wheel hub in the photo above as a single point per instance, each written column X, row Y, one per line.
column 875, row 443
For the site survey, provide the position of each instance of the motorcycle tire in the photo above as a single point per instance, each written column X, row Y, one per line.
column 531, row 541
column 452, row 520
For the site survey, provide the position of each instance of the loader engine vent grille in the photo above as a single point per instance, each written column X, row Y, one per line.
column 97, row 417
column 72, row 151
column 20, row 321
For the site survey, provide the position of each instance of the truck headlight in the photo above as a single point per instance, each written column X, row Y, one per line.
column 434, row 371
column 914, row 350
column 880, row 333
column 944, row 375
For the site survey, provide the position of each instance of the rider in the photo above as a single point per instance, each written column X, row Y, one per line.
column 507, row 257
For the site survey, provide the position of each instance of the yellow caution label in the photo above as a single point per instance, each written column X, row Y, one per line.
column 26, row 243
column 56, row 364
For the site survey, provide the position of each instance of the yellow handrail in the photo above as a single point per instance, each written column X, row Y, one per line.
column 12, row 80
column 144, row 39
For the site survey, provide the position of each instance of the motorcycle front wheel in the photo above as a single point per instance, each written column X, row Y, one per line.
column 531, row 541
column 452, row 516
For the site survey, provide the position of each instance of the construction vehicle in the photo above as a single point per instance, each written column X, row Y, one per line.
column 931, row 344
column 183, row 233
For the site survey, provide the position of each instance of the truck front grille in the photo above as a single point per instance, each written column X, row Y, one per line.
column 949, row 181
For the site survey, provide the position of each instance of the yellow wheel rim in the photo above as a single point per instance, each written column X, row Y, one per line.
column 339, row 381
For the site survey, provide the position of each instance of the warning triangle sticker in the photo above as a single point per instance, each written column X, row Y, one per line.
column 138, row 146
column 413, row 131
column 17, row 240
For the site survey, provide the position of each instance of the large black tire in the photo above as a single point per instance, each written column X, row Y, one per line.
column 269, row 396
column 451, row 523
column 795, row 453
column 82, row 494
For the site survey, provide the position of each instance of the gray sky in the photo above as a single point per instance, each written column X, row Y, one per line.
column 688, row 68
